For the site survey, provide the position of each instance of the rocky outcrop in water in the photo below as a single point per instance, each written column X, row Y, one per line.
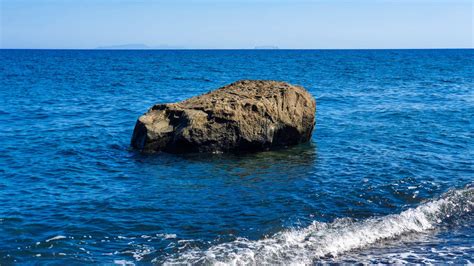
column 243, row 116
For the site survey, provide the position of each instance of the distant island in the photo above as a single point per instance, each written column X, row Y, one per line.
column 125, row 46
column 137, row 46
column 141, row 46
column 266, row 47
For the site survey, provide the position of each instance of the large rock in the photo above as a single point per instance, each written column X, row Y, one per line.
column 243, row 116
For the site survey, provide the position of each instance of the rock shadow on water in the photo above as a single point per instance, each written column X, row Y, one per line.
column 284, row 163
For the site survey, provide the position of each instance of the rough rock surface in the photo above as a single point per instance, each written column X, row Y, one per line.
column 244, row 116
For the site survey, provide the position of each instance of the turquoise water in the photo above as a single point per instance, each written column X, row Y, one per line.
column 387, row 177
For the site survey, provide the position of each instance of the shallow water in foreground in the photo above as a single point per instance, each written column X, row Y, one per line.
column 388, row 176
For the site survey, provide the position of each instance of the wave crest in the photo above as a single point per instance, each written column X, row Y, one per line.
column 320, row 240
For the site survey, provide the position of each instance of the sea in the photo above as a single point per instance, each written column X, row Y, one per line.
column 388, row 176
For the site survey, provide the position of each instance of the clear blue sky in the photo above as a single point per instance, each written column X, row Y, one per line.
column 237, row 23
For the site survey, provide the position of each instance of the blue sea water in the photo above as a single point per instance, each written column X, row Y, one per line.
column 387, row 178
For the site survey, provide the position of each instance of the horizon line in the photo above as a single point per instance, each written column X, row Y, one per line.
column 230, row 49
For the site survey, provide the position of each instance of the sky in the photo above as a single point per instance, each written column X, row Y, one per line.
column 237, row 24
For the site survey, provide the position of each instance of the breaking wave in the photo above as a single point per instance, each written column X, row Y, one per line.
column 322, row 240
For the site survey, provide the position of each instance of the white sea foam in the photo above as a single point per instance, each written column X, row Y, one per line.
column 166, row 236
column 322, row 240
column 55, row 238
column 123, row 262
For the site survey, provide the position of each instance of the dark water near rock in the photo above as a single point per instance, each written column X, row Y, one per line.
column 388, row 176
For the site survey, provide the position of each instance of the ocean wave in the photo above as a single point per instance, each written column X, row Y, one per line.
column 322, row 240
